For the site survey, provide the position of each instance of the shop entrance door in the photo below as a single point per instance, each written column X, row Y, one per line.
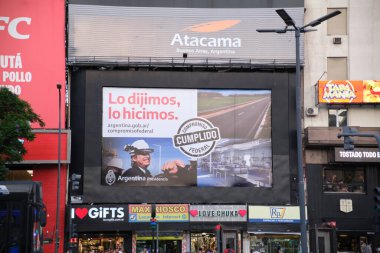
column 229, row 240
column 324, row 242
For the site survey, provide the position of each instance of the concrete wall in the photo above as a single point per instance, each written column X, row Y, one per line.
column 360, row 46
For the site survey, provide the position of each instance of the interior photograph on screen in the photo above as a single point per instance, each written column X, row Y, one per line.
column 186, row 137
column 243, row 156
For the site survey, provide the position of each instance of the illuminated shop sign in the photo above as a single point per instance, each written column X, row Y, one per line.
column 274, row 214
column 349, row 92
column 96, row 214
column 186, row 137
column 217, row 213
column 25, row 29
column 164, row 213
column 217, row 33
column 357, row 155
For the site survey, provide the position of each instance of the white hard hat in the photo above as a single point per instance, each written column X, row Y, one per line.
column 115, row 162
column 137, row 147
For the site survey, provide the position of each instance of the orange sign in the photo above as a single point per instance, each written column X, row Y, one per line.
column 349, row 91
column 371, row 91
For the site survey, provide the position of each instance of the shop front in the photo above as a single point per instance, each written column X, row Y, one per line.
column 99, row 228
column 108, row 228
column 271, row 242
column 168, row 232
column 341, row 195
column 341, row 202
column 274, row 227
column 207, row 242
column 213, row 226
column 101, row 243
column 168, row 242
column 341, row 190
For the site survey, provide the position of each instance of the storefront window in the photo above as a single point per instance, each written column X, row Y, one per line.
column 348, row 242
column 203, row 243
column 166, row 244
column 343, row 180
column 272, row 243
column 101, row 244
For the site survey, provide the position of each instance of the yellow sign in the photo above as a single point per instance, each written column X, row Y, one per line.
column 164, row 213
column 277, row 214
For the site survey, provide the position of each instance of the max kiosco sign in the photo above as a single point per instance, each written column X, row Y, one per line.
column 196, row 137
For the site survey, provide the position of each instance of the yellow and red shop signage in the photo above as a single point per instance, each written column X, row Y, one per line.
column 164, row 212
column 349, row 91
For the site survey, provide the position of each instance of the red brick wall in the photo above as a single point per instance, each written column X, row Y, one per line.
column 47, row 175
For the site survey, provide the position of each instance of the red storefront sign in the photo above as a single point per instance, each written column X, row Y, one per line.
column 32, row 54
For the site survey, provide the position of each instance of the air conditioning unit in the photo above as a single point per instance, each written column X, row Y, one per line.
column 337, row 40
column 312, row 111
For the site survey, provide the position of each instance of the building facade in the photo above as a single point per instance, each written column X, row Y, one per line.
column 32, row 64
column 192, row 82
column 340, row 183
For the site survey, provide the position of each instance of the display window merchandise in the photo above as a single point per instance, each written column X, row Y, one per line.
column 344, row 180
column 101, row 244
column 272, row 243
column 203, row 243
column 352, row 242
column 166, row 244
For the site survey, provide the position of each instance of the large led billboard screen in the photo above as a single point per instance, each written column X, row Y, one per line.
column 186, row 137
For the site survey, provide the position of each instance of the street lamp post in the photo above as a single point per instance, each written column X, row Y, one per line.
column 59, row 171
column 298, row 30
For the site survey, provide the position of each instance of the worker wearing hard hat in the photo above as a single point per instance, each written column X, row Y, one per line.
column 176, row 172
column 140, row 157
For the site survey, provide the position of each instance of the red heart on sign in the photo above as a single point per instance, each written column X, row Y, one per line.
column 81, row 212
column 242, row 212
column 194, row 213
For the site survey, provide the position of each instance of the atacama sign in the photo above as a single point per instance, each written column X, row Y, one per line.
column 166, row 32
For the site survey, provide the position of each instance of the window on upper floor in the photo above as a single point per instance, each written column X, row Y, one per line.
column 344, row 180
column 338, row 24
column 337, row 117
column 337, row 68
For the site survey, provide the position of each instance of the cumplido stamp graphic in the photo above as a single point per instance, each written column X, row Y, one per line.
column 196, row 137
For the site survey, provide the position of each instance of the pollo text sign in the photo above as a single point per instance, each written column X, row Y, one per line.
column 32, row 53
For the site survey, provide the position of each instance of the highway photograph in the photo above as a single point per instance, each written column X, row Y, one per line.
column 243, row 156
